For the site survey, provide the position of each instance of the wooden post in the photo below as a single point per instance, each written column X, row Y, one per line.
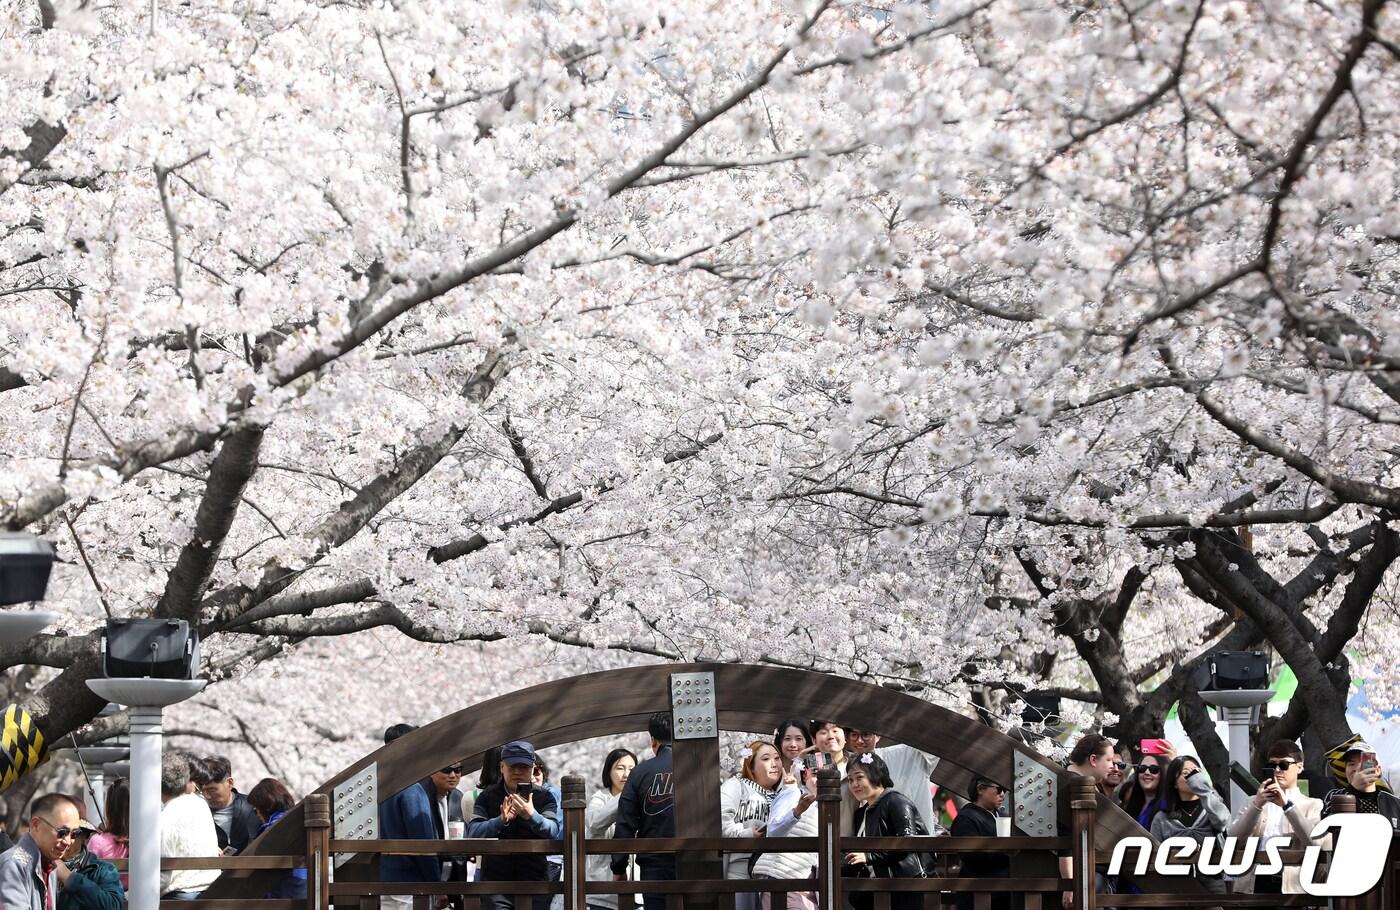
column 829, row 839
column 317, row 821
column 575, row 848
column 695, row 771
column 1345, row 804
column 1083, row 807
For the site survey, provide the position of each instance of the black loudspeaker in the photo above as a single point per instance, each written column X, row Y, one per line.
column 150, row 648
column 1238, row 670
column 25, row 561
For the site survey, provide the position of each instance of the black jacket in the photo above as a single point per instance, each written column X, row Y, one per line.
column 974, row 821
column 243, row 827
column 516, row 867
column 1381, row 802
column 647, row 808
column 894, row 816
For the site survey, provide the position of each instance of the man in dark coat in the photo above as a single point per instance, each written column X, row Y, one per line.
column 514, row 808
column 407, row 815
column 646, row 808
column 234, row 816
column 979, row 819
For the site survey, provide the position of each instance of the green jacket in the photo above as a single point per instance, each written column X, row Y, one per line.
column 94, row 885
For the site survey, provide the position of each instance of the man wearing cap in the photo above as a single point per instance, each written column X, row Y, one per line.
column 514, row 808
column 1361, row 772
column 30, row 870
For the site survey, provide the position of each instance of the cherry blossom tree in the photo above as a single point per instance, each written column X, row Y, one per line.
column 924, row 342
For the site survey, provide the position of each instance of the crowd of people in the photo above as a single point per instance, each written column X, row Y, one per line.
column 62, row 860
column 888, row 794
column 1170, row 795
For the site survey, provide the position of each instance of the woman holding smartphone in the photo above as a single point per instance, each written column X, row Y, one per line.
column 1191, row 808
column 744, row 803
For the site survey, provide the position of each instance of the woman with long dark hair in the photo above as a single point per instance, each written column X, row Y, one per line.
column 1191, row 808
column 1142, row 794
column 601, row 817
column 793, row 738
column 111, row 841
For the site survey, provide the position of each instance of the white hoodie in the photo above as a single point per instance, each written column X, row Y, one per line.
column 743, row 812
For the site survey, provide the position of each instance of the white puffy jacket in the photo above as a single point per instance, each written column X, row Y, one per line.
column 783, row 823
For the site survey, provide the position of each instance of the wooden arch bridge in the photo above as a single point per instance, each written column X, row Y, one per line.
column 745, row 698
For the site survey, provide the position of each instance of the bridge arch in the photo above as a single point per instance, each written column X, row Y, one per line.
column 749, row 698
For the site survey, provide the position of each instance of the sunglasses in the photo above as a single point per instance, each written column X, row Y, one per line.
column 455, row 769
column 997, row 787
column 1283, row 764
column 60, row 833
column 1148, row 769
column 1120, row 765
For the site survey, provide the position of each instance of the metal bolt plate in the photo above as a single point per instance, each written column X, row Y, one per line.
column 693, row 706
column 355, row 806
column 1034, row 797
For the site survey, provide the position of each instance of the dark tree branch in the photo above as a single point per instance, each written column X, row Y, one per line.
column 522, row 454
column 465, row 546
column 233, row 467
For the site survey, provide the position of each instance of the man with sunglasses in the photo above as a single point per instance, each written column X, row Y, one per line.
column 32, row 870
column 979, row 819
column 448, row 822
column 1279, row 813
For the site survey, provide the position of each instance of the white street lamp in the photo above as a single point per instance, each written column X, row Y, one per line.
column 146, row 698
column 1238, row 707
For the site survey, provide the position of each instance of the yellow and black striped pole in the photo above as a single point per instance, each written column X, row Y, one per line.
column 22, row 746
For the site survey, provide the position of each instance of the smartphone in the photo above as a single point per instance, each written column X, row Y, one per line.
column 1155, row 747
column 1246, row 781
column 523, row 790
column 1368, row 761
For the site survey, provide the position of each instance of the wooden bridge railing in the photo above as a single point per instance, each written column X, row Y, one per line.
column 1032, row 893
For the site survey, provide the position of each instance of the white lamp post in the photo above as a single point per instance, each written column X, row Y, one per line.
column 146, row 698
column 1238, row 707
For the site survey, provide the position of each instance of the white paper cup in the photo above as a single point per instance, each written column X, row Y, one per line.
column 1003, row 827
column 456, row 830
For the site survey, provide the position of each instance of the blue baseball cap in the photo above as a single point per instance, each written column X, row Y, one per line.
column 519, row 752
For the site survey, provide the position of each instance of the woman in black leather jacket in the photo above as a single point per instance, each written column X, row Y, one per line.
column 884, row 812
